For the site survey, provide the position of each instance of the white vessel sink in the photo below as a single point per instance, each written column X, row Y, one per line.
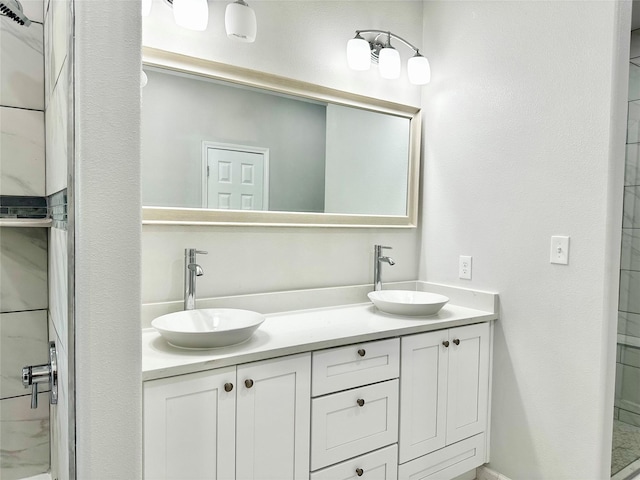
column 406, row 302
column 208, row 327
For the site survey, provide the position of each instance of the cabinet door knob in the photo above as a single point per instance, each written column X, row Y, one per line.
column 457, row 341
column 362, row 352
column 360, row 402
column 446, row 343
column 248, row 383
column 228, row 387
column 359, row 472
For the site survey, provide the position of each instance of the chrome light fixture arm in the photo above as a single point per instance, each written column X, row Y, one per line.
column 389, row 35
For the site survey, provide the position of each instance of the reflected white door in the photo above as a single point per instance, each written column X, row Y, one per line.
column 235, row 178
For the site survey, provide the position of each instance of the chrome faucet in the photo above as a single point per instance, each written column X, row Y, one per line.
column 191, row 271
column 378, row 258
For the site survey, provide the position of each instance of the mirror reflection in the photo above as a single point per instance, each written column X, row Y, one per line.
column 212, row 144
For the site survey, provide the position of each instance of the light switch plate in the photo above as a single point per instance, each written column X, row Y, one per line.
column 559, row 250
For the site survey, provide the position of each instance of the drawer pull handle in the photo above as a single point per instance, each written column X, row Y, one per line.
column 228, row 387
column 362, row 352
column 359, row 472
column 248, row 383
column 446, row 343
column 457, row 341
column 360, row 402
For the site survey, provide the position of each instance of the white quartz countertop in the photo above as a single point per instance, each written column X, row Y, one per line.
column 299, row 331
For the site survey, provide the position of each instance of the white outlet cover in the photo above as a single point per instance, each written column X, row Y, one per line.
column 464, row 267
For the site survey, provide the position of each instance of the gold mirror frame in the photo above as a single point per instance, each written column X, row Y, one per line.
column 243, row 76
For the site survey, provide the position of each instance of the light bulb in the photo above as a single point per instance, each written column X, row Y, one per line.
column 143, row 79
column 358, row 54
column 191, row 14
column 240, row 22
column 389, row 63
column 146, row 7
column 419, row 70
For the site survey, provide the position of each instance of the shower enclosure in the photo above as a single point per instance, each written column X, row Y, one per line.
column 36, row 263
column 625, row 459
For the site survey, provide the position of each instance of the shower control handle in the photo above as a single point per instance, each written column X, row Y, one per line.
column 32, row 375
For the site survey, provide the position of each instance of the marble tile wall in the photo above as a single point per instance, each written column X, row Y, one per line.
column 21, row 152
column 57, row 83
column 627, row 395
column 24, row 436
column 58, row 66
column 24, row 433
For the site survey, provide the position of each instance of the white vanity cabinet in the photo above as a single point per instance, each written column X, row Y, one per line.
column 413, row 406
column 245, row 422
column 444, row 391
column 355, row 411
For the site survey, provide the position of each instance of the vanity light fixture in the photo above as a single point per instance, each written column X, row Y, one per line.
column 239, row 19
column 362, row 52
column 240, row 22
column 191, row 14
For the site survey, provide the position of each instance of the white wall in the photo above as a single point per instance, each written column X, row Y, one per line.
column 107, row 240
column 305, row 40
column 524, row 139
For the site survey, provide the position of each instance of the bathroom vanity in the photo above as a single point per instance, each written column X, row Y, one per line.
column 328, row 393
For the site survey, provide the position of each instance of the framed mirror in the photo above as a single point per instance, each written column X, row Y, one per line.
column 224, row 145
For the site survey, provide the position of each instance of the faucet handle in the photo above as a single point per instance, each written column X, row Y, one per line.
column 382, row 246
column 192, row 252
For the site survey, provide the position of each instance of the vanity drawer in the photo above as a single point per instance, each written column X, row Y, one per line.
column 354, row 365
column 379, row 465
column 448, row 462
column 347, row 424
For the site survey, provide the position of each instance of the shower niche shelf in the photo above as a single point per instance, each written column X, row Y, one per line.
column 25, row 222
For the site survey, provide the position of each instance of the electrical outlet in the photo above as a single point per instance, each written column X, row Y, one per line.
column 464, row 267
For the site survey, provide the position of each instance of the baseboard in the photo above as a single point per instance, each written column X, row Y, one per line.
column 485, row 473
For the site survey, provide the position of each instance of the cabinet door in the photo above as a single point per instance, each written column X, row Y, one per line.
column 189, row 426
column 468, row 383
column 273, row 417
column 423, row 394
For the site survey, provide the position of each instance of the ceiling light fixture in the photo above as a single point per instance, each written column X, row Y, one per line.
column 362, row 52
